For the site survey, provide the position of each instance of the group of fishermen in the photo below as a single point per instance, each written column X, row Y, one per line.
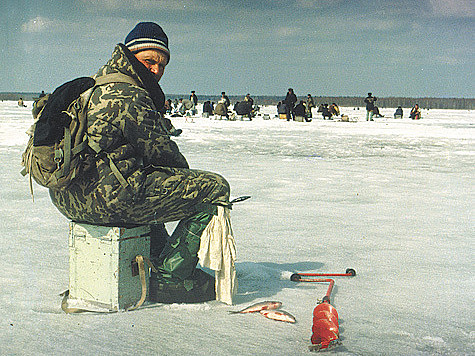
column 373, row 111
column 222, row 109
column 289, row 109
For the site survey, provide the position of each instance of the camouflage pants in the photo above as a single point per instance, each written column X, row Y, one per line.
column 164, row 195
column 179, row 193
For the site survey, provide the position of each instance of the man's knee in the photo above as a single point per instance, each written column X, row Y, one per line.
column 221, row 190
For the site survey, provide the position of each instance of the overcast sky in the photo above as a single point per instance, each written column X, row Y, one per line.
column 324, row 47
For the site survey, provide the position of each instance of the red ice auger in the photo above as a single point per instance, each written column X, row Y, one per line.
column 325, row 328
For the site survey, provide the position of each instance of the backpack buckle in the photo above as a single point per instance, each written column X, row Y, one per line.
column 58, row 156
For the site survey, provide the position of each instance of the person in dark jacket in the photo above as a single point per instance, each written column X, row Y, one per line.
column 290, row 100
column 326, row 112
column 369, row 100
column 282, row 110
column 398, row 113
column 244, row 108
column 225, row 99
column 376, row 112
column 140, row 177
column 208, row 108
column 249, row 99
column 299, row 112
column 194, row 98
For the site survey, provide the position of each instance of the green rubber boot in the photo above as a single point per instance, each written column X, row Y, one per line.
column 178, row 280
column 158, row 239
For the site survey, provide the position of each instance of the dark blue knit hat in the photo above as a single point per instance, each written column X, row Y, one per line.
column 147, row 35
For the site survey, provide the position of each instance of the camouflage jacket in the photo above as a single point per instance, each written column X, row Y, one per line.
column 124, row 121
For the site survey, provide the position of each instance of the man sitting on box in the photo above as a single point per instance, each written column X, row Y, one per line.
column 139, row 176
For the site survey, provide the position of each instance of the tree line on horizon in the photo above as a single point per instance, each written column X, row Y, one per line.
column 344, row 101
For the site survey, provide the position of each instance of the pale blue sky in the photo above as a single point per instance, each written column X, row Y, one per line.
column 324, row 47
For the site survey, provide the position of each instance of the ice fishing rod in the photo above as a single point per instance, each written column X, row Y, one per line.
column 297, row 277
column 239, row 199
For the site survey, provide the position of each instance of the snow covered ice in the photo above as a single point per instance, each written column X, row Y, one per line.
column 392, row 199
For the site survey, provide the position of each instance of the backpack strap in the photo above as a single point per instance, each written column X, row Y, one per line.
column 102, row 80
column 115, row 78
column 82, row 141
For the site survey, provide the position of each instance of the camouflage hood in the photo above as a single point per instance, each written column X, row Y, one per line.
column 124, row 61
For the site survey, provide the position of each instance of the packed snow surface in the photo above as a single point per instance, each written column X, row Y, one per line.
column 392, row 199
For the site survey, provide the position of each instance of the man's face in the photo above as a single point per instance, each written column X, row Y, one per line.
column 154, row 60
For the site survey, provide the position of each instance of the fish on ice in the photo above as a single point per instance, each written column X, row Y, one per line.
column 279, row 315
column 266, row 305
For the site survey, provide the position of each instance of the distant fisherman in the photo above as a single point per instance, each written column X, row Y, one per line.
column 415, row 112
column 399, row 113
column 370, row 99
column 290, row 100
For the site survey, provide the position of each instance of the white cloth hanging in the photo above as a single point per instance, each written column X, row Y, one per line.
column 218, row 252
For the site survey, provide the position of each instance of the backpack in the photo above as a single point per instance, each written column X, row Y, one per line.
column 58, row 138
